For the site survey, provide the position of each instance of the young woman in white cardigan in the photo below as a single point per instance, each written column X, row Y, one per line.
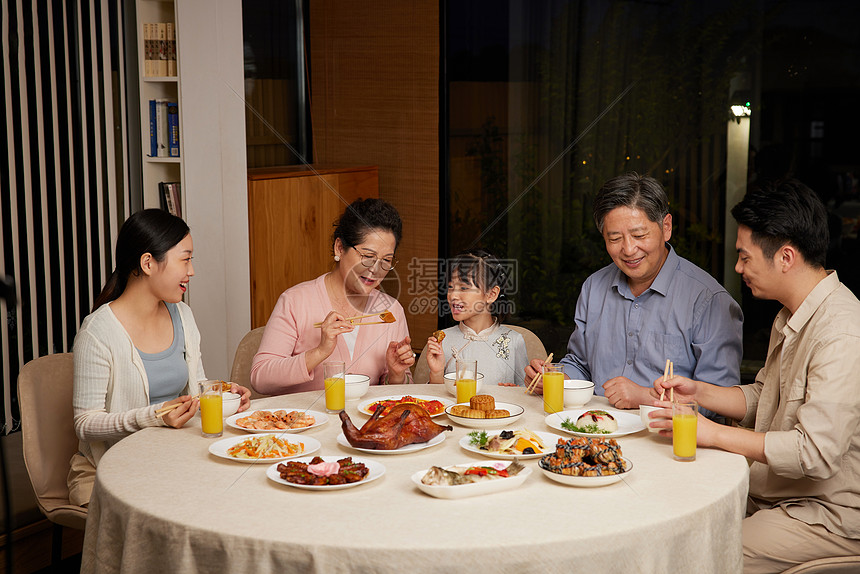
column 139, row 349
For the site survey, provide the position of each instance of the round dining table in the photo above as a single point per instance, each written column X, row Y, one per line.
column 163, row 503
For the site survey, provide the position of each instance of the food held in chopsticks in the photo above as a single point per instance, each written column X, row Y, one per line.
column 276, row 420
column 581, row 456
column 404, row 424
column 318, row 472
column 265, row 446
column 438, row 335
column 433, row 407
column 592, row 422
column 480, row 407
column 508, row 442
column 456, row 475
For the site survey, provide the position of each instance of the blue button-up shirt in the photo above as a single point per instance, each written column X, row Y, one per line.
column 685, row 316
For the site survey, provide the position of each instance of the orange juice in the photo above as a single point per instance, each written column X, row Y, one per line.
column 335, row 394
column 684, row 436
column 553, row 392
column 466, row 389
column 210, row 414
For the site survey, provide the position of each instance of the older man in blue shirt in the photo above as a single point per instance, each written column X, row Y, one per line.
column 649, row 305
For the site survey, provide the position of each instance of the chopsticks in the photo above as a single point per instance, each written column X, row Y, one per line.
column 670, row 371
column 164, row 410
column 351, row 319
column 530, row 389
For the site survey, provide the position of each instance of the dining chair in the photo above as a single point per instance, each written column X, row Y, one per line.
column 534, row 350
column 241, row 371
column 835, row 565
column 49, row 441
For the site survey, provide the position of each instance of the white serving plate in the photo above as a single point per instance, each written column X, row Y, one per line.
column 220, row 447
column 341, row 440
column 548, row 439
column 320, row 418
column 589, row 481
column 628, row 423
column 515, row 410
column 376, row 470
column 362, row 406
column 473, row 489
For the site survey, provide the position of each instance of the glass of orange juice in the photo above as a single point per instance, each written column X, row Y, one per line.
column 467, row 380
column 211, row 413
column 684, row 419
column 335, row 386
column 553, row 387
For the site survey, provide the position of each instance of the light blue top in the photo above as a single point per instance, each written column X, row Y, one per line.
column 166, row 370
column 685, row 316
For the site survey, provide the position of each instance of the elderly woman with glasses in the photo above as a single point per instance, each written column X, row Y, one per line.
column 313, row 322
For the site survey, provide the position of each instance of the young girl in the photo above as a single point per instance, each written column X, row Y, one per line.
column 475, row 291
column 139, row 349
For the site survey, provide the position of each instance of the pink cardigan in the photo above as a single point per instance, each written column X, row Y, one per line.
column 279, row 366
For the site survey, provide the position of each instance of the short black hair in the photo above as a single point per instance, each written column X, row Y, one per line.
column 631, row 190
column 781, row 211
column 363, row 216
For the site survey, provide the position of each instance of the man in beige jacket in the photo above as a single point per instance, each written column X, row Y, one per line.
column 804, row 406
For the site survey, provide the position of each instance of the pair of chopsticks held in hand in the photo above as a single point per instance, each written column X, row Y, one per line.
column 164, row 410
column 384, row 317
column 530, row 389
column 670, row 371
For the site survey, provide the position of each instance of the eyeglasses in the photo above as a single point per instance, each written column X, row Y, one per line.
column 371, row 260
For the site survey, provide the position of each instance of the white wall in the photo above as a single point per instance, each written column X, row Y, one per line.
column 209, row 37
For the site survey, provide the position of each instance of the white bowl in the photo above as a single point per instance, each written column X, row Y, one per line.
column 646, row 420
column 230, row 403
column 451, row 379
column 577, row 392
column 356, row 386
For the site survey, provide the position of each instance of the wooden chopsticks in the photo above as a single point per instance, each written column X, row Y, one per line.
column 164, row 410
column 530, row 389
column 351, row 319
column 670, row 372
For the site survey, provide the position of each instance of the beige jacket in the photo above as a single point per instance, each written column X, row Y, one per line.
column 807, row 400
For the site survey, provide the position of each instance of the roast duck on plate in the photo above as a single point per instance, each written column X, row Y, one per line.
column 405, row 424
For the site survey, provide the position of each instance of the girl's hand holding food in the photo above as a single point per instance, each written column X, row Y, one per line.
column 435, row 359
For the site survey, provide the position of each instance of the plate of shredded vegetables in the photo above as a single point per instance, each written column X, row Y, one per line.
column 263, row 447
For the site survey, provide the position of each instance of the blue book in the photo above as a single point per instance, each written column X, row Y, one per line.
column 153, row 129
column 173, row 129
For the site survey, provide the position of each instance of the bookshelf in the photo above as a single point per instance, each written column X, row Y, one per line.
column 160, row 82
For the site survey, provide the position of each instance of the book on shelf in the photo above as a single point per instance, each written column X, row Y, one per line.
column 170, row 197
column 159, row 49
column 172, row 129
column 153, row 129
column 171, row 50
column 161, row 127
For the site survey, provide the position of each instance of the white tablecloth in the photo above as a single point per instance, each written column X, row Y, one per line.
column 162, row 503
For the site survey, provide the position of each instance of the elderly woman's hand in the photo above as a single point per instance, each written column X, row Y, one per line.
column 399, row 357
column 333, row 325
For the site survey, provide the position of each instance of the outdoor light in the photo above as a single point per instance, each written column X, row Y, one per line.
column 741, row 110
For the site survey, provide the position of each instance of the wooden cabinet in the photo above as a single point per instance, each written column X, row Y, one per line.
column 291, row 212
